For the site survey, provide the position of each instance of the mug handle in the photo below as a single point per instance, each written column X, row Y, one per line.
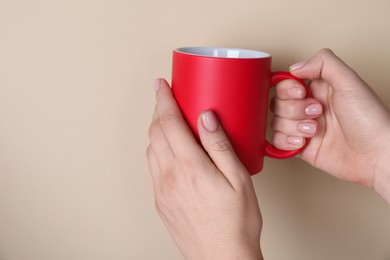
column 270, row 150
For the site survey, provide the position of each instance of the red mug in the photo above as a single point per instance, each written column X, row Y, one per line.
column 234, row 84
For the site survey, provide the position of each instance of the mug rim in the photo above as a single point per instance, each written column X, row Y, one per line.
column 222, row 52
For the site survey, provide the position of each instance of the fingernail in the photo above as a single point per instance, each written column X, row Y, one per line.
column 210, row 121
column 294, row 140
column 308, row 128
column 157, row 83
column 297, row 65
column 295, row 92
column 313, row 110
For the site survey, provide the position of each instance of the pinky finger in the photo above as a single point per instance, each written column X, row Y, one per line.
column 285, row 142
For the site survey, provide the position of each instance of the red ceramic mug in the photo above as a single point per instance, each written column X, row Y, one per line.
column 234, row 84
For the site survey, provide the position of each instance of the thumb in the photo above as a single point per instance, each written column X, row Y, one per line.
column 219, row 148
column 327, row 66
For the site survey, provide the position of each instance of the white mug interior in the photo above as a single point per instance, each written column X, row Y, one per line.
column 223, row 52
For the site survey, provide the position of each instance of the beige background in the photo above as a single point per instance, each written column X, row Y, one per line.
column 76, row 97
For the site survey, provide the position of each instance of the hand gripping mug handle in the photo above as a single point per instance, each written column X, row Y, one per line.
column 270, row 150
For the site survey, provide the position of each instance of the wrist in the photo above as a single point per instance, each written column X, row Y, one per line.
column 235, row 252
column 381, row 181
column 253, row 254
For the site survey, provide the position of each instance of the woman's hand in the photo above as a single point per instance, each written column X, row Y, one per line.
column 353, row 139
column 205, row 197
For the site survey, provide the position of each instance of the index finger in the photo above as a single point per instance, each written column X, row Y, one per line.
column 175, row 129
column 290, row 89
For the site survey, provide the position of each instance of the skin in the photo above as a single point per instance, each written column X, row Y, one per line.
column 206, row 198
column 353, row 138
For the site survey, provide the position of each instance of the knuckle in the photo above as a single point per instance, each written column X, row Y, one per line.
column 221, row 146
column 168, row 181
column 326, row 52
column 154, row 128
column 285, row 108
column 169, row 120
column 159, row 204
column 278, row 124
column 187, row 161
column 165, row 190
column 291, row 110
column 192, row 179
column 149, row 151
column 286, row 84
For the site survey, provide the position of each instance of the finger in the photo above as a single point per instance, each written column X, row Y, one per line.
column 219, row 148
column 174, row 127
column 290, row 89
column 163, row 152
column 153, row 165
column 155, row 114
column 307, row 108
column 285, row 142
column 300, row 128
column 326, row 65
